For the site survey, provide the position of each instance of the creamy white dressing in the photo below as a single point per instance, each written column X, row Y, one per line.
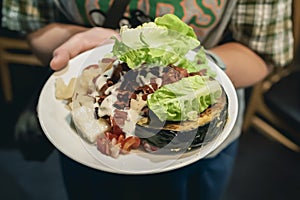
column 130, row 123
column 112, row 90
column 102, row 79
column 106, row 107
column 133, row 113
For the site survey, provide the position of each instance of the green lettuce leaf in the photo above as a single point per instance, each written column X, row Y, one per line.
column 201, row 61
column 172, row 22
column 185, row 99
column 165, row 41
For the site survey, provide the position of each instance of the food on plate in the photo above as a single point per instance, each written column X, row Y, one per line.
column 64, row 91
column 147, row 94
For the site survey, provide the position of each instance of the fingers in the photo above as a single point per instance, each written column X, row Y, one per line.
column 60, row 59
column 79, row 43
column 72, row 47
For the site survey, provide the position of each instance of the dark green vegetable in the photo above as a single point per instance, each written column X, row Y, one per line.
column 184, row 136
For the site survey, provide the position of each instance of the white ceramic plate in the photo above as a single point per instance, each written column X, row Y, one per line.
column 55, row 120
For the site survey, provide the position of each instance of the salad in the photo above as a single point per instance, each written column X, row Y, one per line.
column 146, row 94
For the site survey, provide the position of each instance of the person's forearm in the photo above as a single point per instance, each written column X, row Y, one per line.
column 45, row 40
column 243, row 66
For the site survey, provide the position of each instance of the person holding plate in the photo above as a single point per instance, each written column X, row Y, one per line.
column 245, row 38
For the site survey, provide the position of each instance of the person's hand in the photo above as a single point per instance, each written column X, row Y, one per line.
column 79, row 43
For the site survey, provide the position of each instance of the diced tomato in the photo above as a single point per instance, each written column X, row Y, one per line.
column 112, row 144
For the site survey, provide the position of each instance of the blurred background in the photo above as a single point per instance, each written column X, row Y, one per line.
column 268, row 161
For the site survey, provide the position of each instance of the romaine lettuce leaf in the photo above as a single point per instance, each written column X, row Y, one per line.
column 185, row 99
column 172, row 22
column 164, row 41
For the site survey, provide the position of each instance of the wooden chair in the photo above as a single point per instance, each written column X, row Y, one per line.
column 276, row 113
column 13, row 50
